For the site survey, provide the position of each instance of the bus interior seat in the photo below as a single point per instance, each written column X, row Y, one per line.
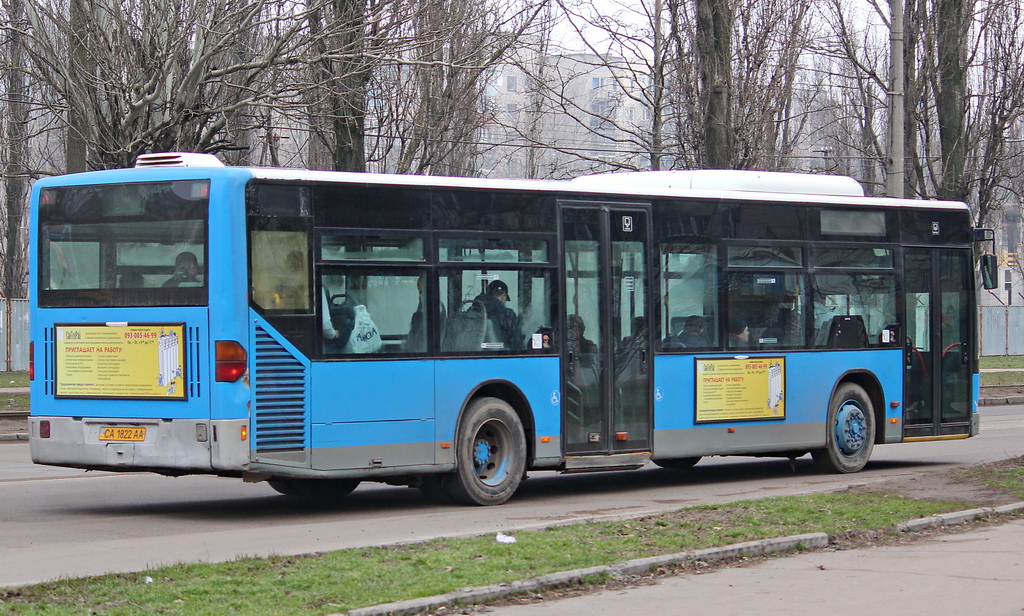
column 469, row 328
column 847, row 332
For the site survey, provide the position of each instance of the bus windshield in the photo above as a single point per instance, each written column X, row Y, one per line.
column 141, row 244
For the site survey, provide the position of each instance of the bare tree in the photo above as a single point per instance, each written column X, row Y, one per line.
column 995, row 118
column 156, row 76
column 14, row 158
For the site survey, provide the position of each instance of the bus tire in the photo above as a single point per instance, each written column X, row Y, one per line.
column 677, row 464
column 850, row 431
column 323, row 490
column 490, row 454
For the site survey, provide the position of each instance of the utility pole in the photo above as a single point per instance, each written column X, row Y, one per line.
column 894, row 179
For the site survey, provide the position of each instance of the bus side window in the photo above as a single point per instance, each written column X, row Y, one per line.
column 871, row 297
column 374, row 311
column 280, row 271
column 690, row 302
column 772, row 305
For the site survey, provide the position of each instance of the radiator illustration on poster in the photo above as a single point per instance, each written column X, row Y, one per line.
column 120, row 361
column 740, row 389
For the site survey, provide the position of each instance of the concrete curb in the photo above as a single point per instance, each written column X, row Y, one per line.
column 469, row 596
column 19, row 436
column 1000, row 401
column 957, row 517
column 567, row 578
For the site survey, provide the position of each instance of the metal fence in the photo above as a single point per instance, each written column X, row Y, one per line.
column 1002, row 330
column 14, row 334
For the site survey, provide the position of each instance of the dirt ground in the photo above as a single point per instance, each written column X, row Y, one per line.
column 12, row 426
column 1007, row 391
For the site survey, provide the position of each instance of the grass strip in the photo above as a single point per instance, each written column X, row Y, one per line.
column 14, row 379
column 1001, row 362
column 14, row 403
column 1001, row 379
column 338, row 581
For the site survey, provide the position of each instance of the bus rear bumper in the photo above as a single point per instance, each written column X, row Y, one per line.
column 173, row 447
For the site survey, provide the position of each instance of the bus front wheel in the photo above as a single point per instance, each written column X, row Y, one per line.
column 850, row 431
column 323, row 490
column 490, row 452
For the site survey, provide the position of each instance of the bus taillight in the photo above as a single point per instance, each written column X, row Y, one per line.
column 231, row 361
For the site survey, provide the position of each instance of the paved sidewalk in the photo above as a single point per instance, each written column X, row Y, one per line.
column 1009, row 551
column 978, row 572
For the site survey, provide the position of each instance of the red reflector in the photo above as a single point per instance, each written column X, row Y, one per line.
column 231, row 361
column 31, row 361
column 44, row 429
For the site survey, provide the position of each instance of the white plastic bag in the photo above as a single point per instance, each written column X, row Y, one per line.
column 365, row 338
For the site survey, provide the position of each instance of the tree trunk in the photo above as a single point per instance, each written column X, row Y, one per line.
column 951, row 29
column 80, row 66
column 714, row 52
column 349, row 95
column 16, row 174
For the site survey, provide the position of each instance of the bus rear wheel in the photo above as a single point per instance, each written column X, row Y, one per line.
column 490, row 453
column 322, row 490
column 850, row 431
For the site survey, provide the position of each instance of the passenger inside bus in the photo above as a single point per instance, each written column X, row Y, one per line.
column 505, row 320
column 132, row 280
column 330, row 333
column 416, row 340
column 692, row 334
column 739, row 333
column 186, row 270
column 578, row 342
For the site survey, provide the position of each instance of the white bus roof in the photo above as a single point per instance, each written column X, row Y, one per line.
column 704, row 183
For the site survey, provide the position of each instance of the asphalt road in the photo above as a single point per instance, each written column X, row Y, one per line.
column 67, row 523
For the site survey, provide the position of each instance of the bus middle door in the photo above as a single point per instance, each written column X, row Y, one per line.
column 607, row 362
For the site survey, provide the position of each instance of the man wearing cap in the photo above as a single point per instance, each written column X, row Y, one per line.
column 506, row 322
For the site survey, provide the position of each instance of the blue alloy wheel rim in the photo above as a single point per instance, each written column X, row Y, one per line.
column 850, row 429
column 491, row 453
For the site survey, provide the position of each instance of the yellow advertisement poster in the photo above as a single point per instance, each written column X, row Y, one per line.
column 730, row 389
column 121, row 361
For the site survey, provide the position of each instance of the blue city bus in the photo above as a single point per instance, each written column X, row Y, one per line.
column 318, row 329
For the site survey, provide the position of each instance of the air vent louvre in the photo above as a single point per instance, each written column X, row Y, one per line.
column 280, row 379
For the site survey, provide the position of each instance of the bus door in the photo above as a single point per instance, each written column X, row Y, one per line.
column 606, row 358
column 939, row 347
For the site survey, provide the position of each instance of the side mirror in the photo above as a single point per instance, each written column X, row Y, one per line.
column 989, row 271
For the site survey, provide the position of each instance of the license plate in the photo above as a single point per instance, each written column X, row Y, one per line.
column 115, row 433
